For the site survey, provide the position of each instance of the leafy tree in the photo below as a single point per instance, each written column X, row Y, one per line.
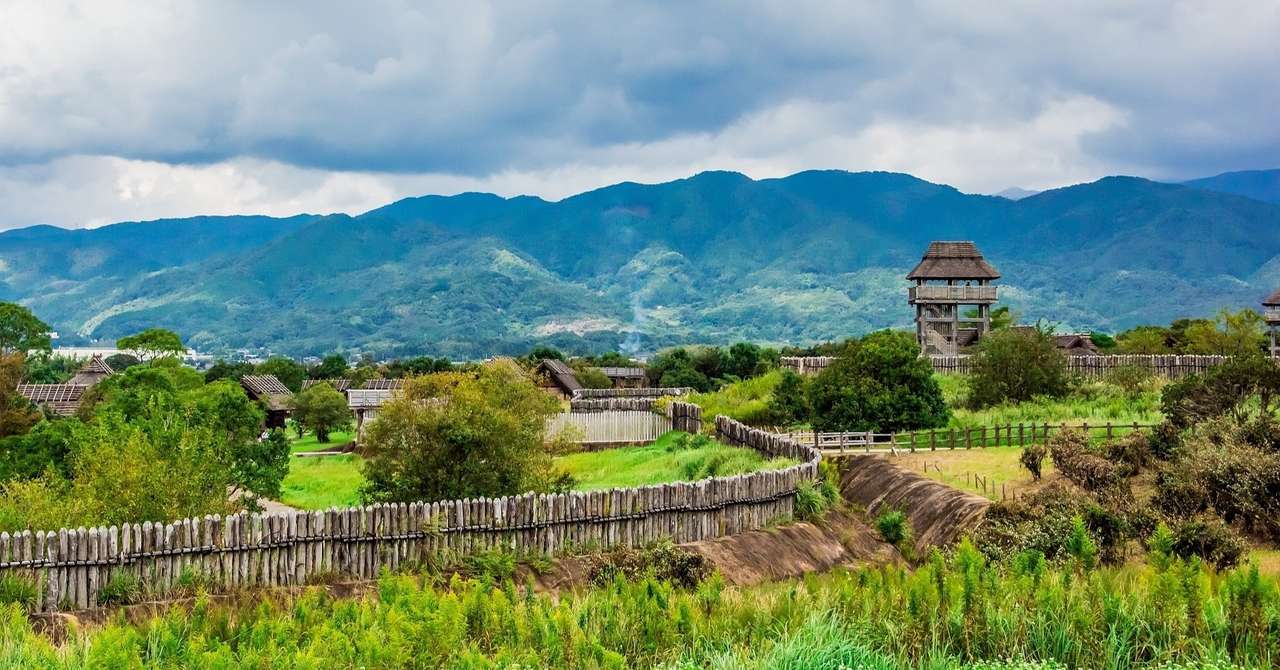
column 678, row 367
column 1232, row 334
column 1227, row 389
column 878, row 384
column 1001, row 317
column 591, row 377
column 47, row 369
column 743, row 360
column 419, row 365
column 333, row 366
column 541, row 352
column 685, row 377
column 152, row 343
column 17, row 416
column 222, row 369
column 789, row 404
column 1102, row 341
column 1032, row 458
column 1143, row 340
column 321, row 410
column 21, row 331
column 46, row 447
column 461, row 434
column 1015, row 366
column 288, row 371
column 121, row 362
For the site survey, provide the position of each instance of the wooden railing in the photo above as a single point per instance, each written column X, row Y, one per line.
column 1272, row 315
column 1009, row 434
column 952, row 293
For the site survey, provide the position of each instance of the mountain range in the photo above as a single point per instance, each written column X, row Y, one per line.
column 713, row 258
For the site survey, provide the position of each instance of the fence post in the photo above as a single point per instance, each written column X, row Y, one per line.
column 968, row 438
column 952, row 431
column 1109, row 430
column 1022, row 436
column 983, row 443
column 933, row 440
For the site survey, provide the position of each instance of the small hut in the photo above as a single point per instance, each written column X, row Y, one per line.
column 275, row 397
column 951, row 277
column 64, row 399
column 558, row 378
column 1271, row 313
column 365, row 403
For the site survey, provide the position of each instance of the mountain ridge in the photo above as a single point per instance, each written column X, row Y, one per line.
column 713, row 257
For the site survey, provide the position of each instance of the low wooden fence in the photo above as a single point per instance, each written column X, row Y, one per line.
column 1009, row 434
column 589, row 394
column 1090, row 367
column 70, row 567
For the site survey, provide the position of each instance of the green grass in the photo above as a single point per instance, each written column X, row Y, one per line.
column 1092, row 402
column 996, row 465
column 321, row 482
column 308, row 442
column 655, row 464
column 954, row 613
column 746, row 401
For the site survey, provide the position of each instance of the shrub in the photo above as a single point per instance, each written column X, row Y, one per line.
column 893, row 527
column 1165, row 440
column 18, row 589
column 878, row 384
column 789, row 405
column 663, row 561
column 122, row 588
column 1080, row 546
column 811, row 504
column 1045, row 521
column 1073, row 458
column 1015, row 366
column 1131, row 453
column 1032, row 458
column 1208, row 538
column 1235, row 388
column 1132, row 379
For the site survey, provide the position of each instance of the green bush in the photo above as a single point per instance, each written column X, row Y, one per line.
column 18, row 589
column 811, row 504
column 122, row 588
column 1074, row 459
column 880, row 383
column 662, row 561
column 893, row 527
column 1032, row 458
column 1208, row 538
column 1016, row 366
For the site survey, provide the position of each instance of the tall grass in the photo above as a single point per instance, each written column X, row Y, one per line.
column 663, row 461
column 1095, row 402
column 746, row 401
column 950, row 613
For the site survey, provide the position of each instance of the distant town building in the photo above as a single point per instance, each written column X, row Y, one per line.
column 951, row 280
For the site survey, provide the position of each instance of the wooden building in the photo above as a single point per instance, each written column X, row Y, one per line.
column 64, row 399
column 558, row 378
column 339, row 385
column 276, row 398
column 625, row 378
column 364, row 404
column 1271, row 313
column 1076, row 344
column 951, row 279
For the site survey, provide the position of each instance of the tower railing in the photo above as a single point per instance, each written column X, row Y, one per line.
column 952, row 293
column 1272, row 315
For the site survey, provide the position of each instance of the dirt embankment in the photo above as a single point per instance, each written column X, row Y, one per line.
column 939, row 514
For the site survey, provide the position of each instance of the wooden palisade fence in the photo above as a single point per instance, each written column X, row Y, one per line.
column 1009, row 434
column 1092, row 367
column 70, row 566
column 588, row 394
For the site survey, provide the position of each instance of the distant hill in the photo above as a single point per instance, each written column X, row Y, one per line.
column 713, row 258
column 1257, row 184
column 1015, row 193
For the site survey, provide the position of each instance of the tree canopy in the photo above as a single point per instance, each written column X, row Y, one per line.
column 461, row 434
column 333, row 366
column 1017, row 365
column 321, row 410
column 152, row 343
column 288, row 371
column 879, row 383
column 21, row 331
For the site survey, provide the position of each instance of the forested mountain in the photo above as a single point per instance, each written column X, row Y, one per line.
column 712, row 258
column 1257, row 184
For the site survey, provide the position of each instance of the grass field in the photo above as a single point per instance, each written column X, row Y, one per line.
column 320, row 482
column 308, row 442
column 656, row 463
column 996, row 465
column 1092, row 402
column 746, row 401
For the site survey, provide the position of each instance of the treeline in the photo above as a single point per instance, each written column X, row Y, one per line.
column 292, row 374
column 702, row 368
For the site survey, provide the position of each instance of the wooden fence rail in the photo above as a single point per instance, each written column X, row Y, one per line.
column 1009, row 434
column 1091, row 367
column 70, row 567
column 589, row 394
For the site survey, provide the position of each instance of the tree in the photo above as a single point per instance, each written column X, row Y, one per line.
column 459, row 435
column 21, row 331
column 1015, row 366
column 1143, row 340
column 419, row 365
column 591, row 377
column 1231, row 334
column 685, row 377
column 789, row 405
column 288, row 371
column 333, row 366
column 121, row 362
column 47, row 447
column 224, row 370
column 878, row 384
column 152, row 343
column 47, row 369
column 321, row 410
column 743, row 360
column 17, row 416
column 1227, row 389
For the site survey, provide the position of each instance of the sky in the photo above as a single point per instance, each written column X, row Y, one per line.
column 114, row 111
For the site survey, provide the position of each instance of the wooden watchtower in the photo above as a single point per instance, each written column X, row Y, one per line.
column 1271, row 313
column 951, row 280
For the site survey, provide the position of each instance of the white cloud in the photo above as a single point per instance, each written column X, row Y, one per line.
column 117, row 109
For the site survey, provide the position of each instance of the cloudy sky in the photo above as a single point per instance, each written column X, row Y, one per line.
column 133, row 110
